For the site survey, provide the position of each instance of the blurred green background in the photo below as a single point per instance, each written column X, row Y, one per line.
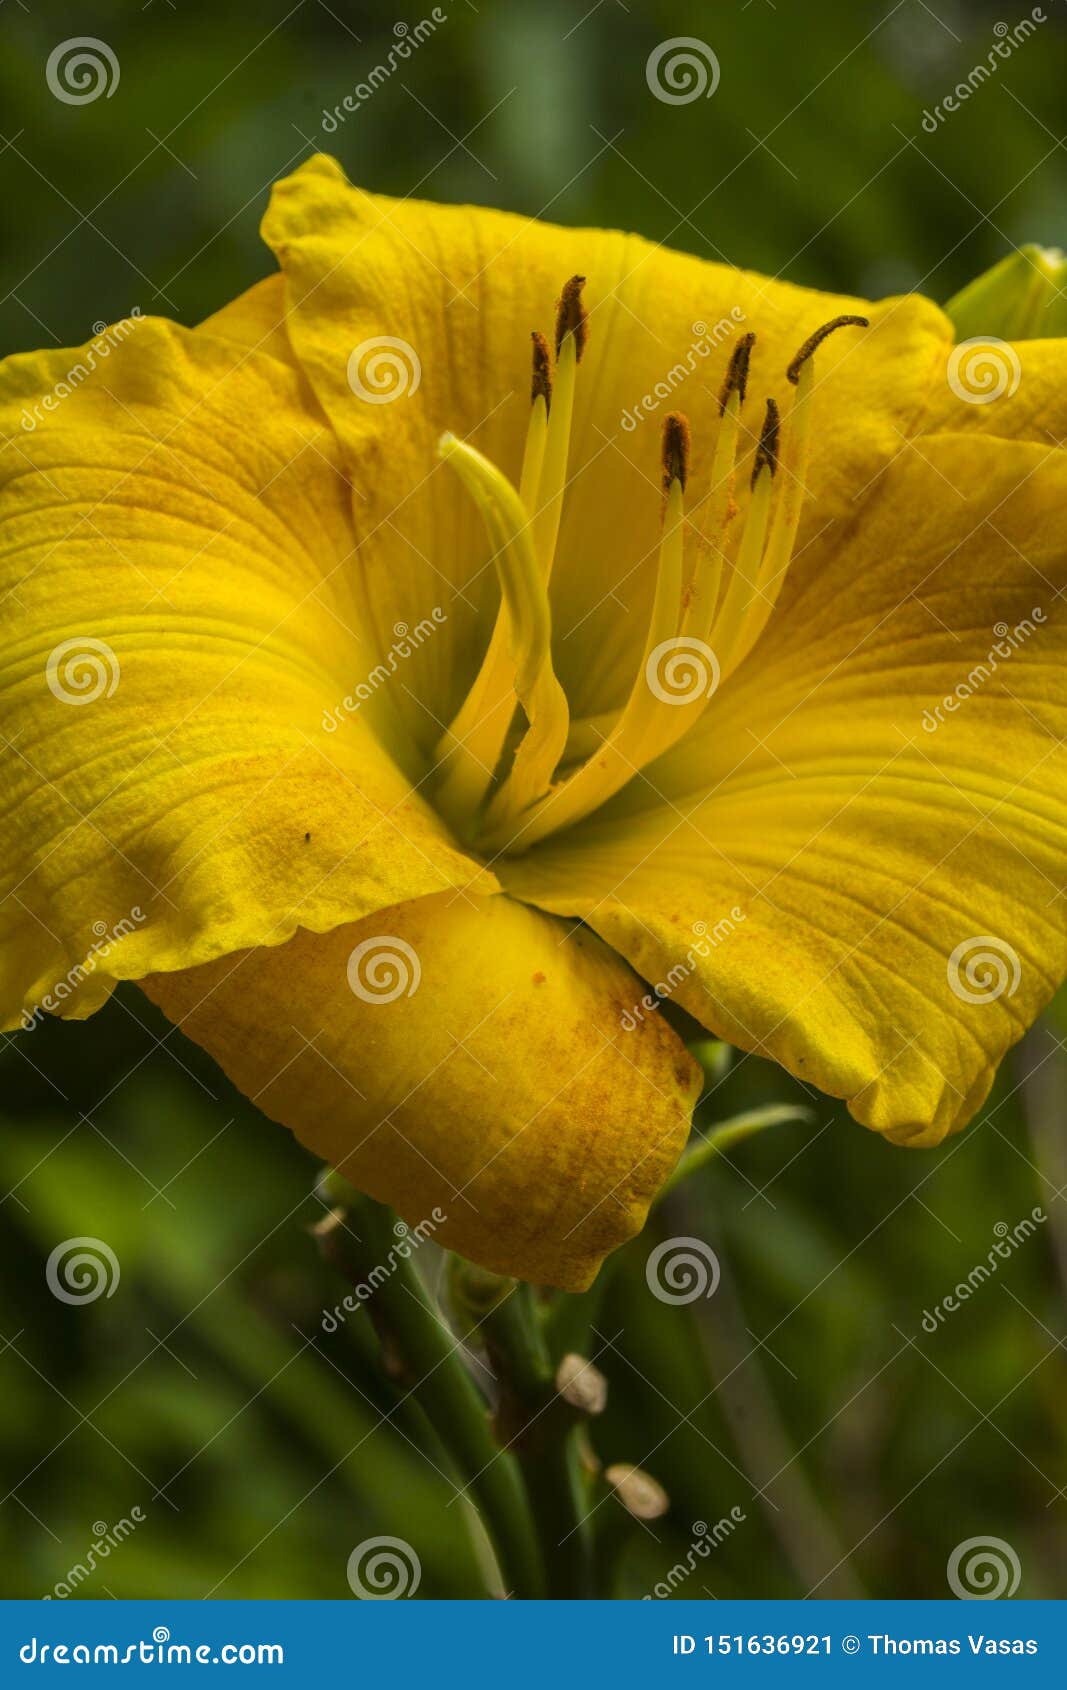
column 860, row 1448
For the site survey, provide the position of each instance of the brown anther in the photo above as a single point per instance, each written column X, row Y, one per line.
column 737, row 371
column 571, row 317
column 541, row 374
column 767, row 450
column 675, row 450
column 814, row 341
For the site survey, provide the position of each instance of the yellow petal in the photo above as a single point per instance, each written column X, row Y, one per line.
column 457, row 290
column 464, row 1060
column 176, row 537
column 255, row 320
column 841, row 869
column 1009, row 390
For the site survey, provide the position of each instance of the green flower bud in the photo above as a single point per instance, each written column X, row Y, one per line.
column 1024, row 297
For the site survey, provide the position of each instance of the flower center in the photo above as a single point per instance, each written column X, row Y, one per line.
column 715, row 591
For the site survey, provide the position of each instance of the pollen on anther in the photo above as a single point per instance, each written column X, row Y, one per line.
column 541, row 373
column 767, row 450
column 675, row 450
column 814, row 341
column 737, row 372
column 571, row 316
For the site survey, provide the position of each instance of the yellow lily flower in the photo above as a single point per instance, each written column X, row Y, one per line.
column 408, row 739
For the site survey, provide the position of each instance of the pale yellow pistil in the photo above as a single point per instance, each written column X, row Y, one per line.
column 714, row 594
column 471, row 748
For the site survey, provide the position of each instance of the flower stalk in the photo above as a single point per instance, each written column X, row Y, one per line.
column 421, row 1354
column 540, row 1414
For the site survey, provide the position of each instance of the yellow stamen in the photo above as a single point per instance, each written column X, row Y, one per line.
column 572, row 322
column 737, row 373
column 625, row 749
column 745, row 581
column 675, row 452
column 767, row 450
column 784, row 528
column 679, row 668
column 710, row 551
column 814, row 341
column 533, row 454
column 560, row 420
column 786, row 521
column 541, row 371
column 587, row 734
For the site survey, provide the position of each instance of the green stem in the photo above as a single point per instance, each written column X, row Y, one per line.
column 536, row 1422
column 421, row 1353
column 718, row 1139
